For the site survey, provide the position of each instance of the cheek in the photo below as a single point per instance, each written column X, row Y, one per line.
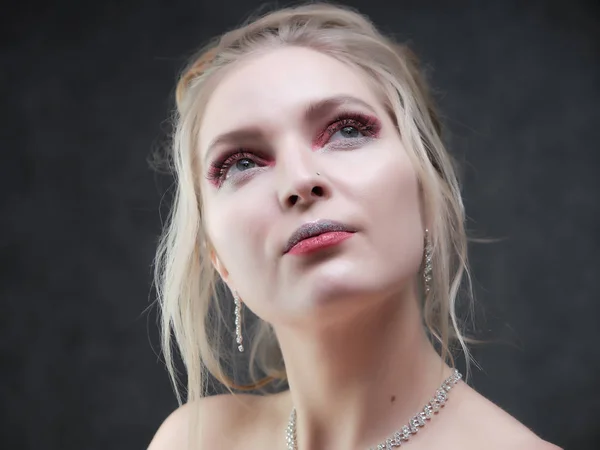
column 236, row 231
column 391, row 184
column 404, row 190
column 394, row 207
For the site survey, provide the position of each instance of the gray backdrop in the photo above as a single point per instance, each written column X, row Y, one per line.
column 86, row 88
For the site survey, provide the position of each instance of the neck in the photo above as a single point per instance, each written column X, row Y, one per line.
column 356, row 382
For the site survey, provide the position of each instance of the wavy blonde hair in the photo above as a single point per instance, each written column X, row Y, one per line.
column 187, row 283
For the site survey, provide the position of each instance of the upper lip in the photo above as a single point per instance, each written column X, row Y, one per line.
column 316, row 228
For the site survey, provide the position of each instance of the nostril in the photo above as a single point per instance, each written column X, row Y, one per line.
column 315, row 192
column 293, row 200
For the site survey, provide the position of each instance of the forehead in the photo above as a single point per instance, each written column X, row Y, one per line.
column 272, row 89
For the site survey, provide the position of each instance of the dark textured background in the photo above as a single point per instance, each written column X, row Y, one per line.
column 86, row 88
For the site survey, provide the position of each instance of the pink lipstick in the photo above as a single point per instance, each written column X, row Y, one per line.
column 317, row 235
column 319, row 242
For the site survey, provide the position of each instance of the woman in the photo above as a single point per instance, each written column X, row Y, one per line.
column 313, row 184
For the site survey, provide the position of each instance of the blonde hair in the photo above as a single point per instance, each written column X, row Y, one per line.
column 187, row 283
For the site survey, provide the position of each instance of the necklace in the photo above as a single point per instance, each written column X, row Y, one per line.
column 403, row 435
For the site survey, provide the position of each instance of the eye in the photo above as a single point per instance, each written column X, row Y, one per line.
column 349, row 131
column 243, row 164
column 229, row 164
column 349, row 127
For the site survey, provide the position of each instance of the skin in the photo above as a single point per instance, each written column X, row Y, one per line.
column 347, row 318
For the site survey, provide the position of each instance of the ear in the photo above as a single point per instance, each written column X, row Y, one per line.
column 218, row 265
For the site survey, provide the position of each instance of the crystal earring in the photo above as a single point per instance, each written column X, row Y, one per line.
column 427, row 270
column 238, row 321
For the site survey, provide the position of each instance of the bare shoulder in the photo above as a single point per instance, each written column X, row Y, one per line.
column 486, row 425
column 211, row 417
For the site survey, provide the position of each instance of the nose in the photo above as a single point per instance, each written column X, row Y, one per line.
column 300, row 181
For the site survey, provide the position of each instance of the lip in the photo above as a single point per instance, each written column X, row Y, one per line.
column 312, row 229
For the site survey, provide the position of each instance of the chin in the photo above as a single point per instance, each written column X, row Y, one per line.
column 344, row 285
column 340, row 285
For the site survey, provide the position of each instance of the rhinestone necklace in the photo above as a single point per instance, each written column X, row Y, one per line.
column 403, row 435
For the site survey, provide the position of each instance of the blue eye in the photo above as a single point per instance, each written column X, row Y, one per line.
column 350, row 126
column 239, row 161
column 244, row 163
column 350, row 132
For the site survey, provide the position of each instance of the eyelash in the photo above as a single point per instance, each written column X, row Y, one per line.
column 368, row 126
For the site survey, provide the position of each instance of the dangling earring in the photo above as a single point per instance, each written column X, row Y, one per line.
column 238, row 321
column 427, row 270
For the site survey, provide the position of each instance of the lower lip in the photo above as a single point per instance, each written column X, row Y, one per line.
column 319, row 242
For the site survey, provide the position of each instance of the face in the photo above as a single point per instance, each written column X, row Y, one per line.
column 294, row 137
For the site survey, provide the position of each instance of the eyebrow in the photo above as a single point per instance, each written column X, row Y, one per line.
column 311, row 112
